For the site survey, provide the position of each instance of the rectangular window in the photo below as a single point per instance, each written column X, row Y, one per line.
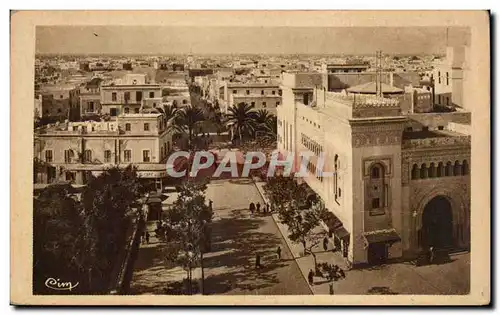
column 127, row 96
column 375, row 203
column 48, row 156
column 138, row 96
column 113, row 111
column 253, row 103
column 136, row 110
column 274, row 92
column 248, row 92
column 277, row 103
column 145, row 156
column 447, row 78
column 234, row 91
column 126, row 110
column 146, row 127
column 107, row 156
column 264, row 104
column 127, row 127
column 440, row 127
column 113, row 96
column 127, row 155
column 91, row 107
column 262, row 92
column 151, row 94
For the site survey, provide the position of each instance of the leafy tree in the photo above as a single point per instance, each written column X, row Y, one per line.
column 331, row 272
column 302, row 223
column 283, row 190
column 57, row 223
column 107, row 201
column 243, row 119
column 288, row 197
column 262, row 117
column 189, row 221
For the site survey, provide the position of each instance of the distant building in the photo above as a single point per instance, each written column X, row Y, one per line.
column 262, row 96
column 449, row 76
column 59, row 102
column 128, row 95
column 90, row 98
column 348, row 67
column 127, row 66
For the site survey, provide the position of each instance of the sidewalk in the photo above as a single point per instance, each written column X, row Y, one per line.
column 306, row 263
column 152, row 275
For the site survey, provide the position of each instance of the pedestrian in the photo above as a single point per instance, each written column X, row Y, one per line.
column 431, row 255
column 325, row 244
column 310, row 277
column 258, row 207
column 266, row 208
column 278, row 252
column 210, row 203
column 257, row 261
column 147, row 238
column 252, row 207
column 331, row 289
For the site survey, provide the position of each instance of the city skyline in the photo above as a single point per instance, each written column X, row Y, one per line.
column 130, row 40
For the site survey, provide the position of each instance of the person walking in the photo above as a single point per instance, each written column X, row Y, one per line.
column 431, row 255
column 258, row 207
column 210, row 204
column 278, row 252
column 252, row 207
column 147, row 237
column 310, row 277
column 331, row 289
column 257, row 261
column 325, row 244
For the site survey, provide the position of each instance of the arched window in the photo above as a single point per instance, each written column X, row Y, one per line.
column 432, row 170
column 449, row 169
column 414, row 171
column 457, row 170
column 440, row 170
column 375, row 172
column 465, row 168
column 423, row 171
column 377, row 190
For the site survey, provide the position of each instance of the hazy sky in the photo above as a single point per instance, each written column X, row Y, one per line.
column 222, row 40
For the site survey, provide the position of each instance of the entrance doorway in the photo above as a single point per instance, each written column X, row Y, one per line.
column 377, row 253
column 437, row 224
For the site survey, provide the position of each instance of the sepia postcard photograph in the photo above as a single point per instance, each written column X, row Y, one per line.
column 250, row 158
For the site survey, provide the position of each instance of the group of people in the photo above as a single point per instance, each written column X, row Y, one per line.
column 257, row 208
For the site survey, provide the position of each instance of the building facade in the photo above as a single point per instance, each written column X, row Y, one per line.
column 128, row 96
column 74, row 151
column 262, row 96
column 400, row 182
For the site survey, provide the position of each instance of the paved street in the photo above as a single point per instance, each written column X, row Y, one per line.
column 237, row 237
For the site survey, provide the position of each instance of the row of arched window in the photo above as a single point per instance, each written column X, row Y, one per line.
column 440, row 170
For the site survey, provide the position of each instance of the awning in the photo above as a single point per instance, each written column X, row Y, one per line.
column 382, row 236
column 332, row 222
column 341, row 232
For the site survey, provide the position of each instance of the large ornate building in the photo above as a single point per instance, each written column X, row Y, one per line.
column 400, row 179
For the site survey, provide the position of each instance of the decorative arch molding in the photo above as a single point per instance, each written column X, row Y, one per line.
column 456, row 193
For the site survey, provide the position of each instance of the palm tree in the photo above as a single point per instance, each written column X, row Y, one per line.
column 186, row 120
column 243, row 119
column 262, row 117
